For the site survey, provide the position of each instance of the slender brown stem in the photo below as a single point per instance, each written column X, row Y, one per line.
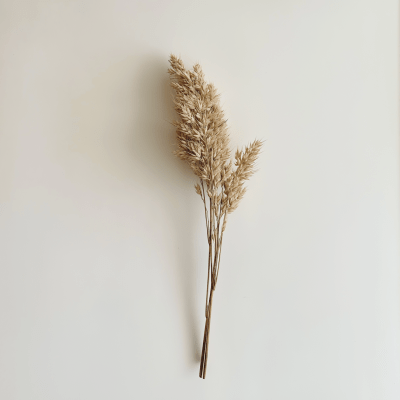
column 215, row 241
column 203, row 197
column 206, row 338
column 209, row 242
column 219, row 259
column 219, row 253
column 208, row 333
column 209, row 272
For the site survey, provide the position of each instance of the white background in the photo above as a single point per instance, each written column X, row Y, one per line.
column 103, row 245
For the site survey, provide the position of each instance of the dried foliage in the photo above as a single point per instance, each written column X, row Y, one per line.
column 203, row 142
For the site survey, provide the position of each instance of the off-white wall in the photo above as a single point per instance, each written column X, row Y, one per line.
column 103, row 245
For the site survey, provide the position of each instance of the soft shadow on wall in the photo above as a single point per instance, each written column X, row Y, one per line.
column 125, row 128
column 153, row 147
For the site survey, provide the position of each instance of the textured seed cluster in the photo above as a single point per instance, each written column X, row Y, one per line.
column 203, row 140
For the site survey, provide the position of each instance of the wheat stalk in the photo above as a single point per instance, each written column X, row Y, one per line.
column 203, row 142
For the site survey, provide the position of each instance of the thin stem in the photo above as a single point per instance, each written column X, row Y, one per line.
column 216, row 218
column 219, row 251
column 208, row 274
column 209, row 242
column 203, row 197
column 206, row 338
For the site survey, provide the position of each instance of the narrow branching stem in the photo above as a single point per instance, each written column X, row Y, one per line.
column 203, row 197
column 209, row 241
column 219, row 257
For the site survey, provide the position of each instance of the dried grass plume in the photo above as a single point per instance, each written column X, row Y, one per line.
column 203, row 142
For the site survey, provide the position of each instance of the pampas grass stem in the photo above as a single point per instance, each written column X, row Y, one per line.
column 203, row 142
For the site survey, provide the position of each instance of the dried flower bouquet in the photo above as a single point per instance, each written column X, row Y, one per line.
column 203, row 142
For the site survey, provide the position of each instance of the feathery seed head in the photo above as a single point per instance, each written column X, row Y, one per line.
column 203, row 140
